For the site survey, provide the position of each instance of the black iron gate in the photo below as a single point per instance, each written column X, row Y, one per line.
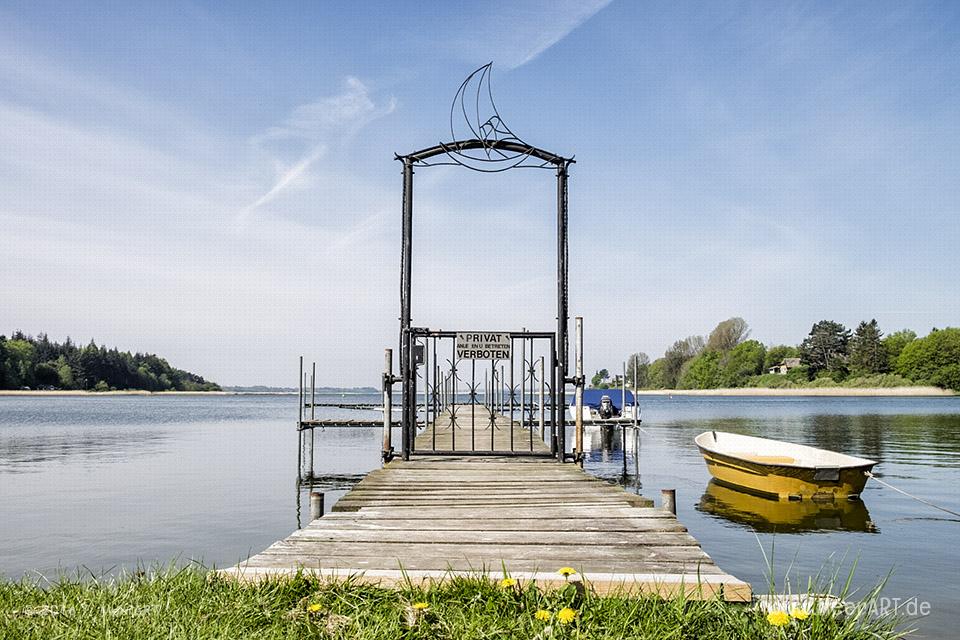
column 496, row 406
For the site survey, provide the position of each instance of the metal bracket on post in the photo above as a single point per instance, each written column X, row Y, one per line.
column 388, row 381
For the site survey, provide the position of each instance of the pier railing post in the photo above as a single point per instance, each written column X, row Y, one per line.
column 387, row 404
column 300, row 428
column 579, row 389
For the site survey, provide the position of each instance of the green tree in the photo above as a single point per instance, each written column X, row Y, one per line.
column 825, row 349
column 655, row 377
column 744, row 361
column 934, row 359
column 641, row 362
column 46, row 375
column 20, row 362
column 868, row 355
column 778, row 353
column 728, row 334
column 894, row 344
column 65, row 374
column 26, row 361
column 681, row 352
column 599, row 379
column 4, row 383
column 702, row 372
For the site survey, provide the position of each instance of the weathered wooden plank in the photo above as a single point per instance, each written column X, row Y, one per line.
column 489, row 562
column 571, row 511
column 481, row 536
column 484, row 564
column 697, row 586
column 562, row 553
column 338, row 521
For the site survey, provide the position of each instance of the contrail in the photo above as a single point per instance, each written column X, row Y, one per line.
column 289, row 176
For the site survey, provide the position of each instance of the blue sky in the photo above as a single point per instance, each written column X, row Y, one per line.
column 216, row 183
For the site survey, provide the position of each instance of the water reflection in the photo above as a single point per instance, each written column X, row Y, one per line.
column 785, row 516
column 334, row 484
column 27, row 452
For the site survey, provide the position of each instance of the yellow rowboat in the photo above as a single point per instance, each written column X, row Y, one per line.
column 782, row 470
column 784, row 516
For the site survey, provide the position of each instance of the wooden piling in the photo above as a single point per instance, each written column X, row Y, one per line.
column 387, row 403
column 316, row 504
column 668, row 500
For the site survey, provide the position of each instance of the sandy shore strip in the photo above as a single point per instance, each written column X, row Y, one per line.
column 125, row 392
column 892, row 392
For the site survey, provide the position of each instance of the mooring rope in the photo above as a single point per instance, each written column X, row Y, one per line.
column 910, row 495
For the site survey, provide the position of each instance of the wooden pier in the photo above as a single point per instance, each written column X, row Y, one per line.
column 431, row 517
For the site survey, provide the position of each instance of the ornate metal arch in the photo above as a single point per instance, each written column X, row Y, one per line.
column 492, row 148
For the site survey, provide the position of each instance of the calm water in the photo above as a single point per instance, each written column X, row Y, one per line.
column 98, row 483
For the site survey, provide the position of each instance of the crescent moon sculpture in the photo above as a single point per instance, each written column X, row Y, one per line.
column 474, row 117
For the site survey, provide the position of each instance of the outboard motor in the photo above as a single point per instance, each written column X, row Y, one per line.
column 606, row 410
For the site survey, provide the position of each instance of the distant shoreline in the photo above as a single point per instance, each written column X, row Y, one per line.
column 143, row 392
column 877, row 392
column 121, row 392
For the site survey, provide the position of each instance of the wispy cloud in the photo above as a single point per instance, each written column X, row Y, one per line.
column 315, row 126
column 513, row 33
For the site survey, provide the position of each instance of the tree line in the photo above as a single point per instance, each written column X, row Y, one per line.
column 830, row 355
column 39, row 363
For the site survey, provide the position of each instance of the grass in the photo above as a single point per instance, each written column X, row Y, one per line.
column 193, row 603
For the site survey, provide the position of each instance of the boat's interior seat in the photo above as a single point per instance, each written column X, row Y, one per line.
column 753, row 457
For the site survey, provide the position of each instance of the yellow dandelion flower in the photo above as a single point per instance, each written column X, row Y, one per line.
column 542, row 615
column 506, row 583
column 566, row 615
column 421, row 606
column 313, row 608
column 799, row 613
column 778, row 618
column 566, row 571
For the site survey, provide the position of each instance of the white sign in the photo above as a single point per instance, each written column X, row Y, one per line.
column 483, row 346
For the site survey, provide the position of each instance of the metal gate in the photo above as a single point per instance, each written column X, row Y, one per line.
column 469, row 406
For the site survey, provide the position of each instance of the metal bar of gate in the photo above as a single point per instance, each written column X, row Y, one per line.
column 494, row 410
column 453, row 397
column 523, row 382
column 511, row 393
column 532, row 372
column 542, row 381
column 473, row 405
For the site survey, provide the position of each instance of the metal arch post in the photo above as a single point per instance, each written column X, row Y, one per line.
column 408, row 413
column 563, row 352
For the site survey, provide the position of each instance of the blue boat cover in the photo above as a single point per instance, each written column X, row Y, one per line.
column 591, row 398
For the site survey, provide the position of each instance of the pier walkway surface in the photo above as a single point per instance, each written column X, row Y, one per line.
column 435, row 516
